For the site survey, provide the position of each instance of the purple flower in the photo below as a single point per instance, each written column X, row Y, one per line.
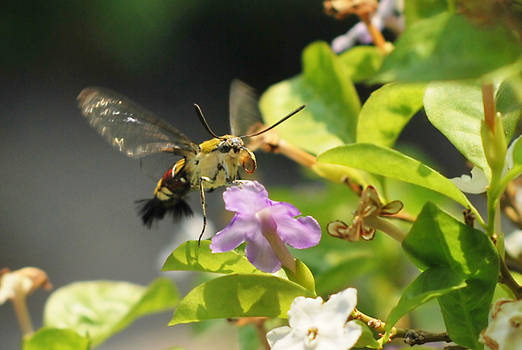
column 264, row 224
column 388, row 14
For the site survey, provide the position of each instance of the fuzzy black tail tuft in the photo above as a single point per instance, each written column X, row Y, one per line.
column 155, row 209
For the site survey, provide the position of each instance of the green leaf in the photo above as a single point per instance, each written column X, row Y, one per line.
column 55, row 339
column 437, row 240
column 432, row 49
column 101, row 308
column 387, row 111
column 433, row 282
column 238, row 296
column 456, row 110
column 361, row 62
column 366, row 340
column 189, row 257
column 415, row 10
column 390, row 163
column 508, row 100
column 332, row 104
column 303, row 276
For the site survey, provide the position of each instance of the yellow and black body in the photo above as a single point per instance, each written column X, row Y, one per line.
column 216, row 163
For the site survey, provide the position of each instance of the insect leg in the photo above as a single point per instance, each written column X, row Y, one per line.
column 240, row 182
column 202, row 180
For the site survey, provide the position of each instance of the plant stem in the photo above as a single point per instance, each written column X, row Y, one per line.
column 376, row 34
column 296, row 154
column 507, row 279
column 418, row 337
column 24, row 319
column 386, row 227
column 410, row 336
column 404, row 216
column 271, row 142
column 261, row 333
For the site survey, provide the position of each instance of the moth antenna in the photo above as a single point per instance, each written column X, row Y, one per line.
column 204, row 121
column 276, row 124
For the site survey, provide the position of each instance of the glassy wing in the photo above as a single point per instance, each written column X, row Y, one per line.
column 245, row 117
column 130, row 128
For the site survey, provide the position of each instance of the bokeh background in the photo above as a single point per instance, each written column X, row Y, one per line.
column 66, row 197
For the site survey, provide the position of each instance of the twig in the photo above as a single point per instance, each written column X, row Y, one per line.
column 24, row 319
column 261, row 333
column 378, row 38
column 404, row 216
column 409, row 336
column 418, row 337
column 259, row 325
column 507, row 279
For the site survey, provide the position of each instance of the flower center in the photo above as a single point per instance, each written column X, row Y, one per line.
column 312, row 333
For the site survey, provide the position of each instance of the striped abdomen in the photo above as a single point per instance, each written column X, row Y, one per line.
column 168, row 196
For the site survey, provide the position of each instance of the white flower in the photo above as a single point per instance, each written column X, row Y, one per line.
column 475, row 184
column 22, row 282
column 315, row 324
column 13, row 284
column 504, row 330
column 478, row 181
column 388, row 14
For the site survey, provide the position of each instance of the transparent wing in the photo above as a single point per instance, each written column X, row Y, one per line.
column 245, row 117
column 130, row 128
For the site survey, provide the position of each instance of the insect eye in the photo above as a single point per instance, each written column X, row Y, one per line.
column 223, row 147
column 248, row 161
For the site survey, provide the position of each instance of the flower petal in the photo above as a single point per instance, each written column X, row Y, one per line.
column 283, row 208
column 475, row 184
column 260, row 253
column 247, row 198
column 509, row 156
column 234, row 234
column 391, row 208
column 350, row 336
column 304, row 311
column 300, row 233
column 285, row 338
column 337, row 309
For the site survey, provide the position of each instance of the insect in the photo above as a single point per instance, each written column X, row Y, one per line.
column 138, row 133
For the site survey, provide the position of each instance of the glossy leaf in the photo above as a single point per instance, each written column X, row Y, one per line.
column 508, row 100
column 390, row 163
column 456, row 110
column 366, row 339
column 55, row 339
column 415, row 10
column 189, row 257
column 238, row 296
column 361, row 62
column 432, row 49
column 303, row 276
column 101, row 308
column 387, row 111
column 437, row 240
column 433, row 282
column 332, row 104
